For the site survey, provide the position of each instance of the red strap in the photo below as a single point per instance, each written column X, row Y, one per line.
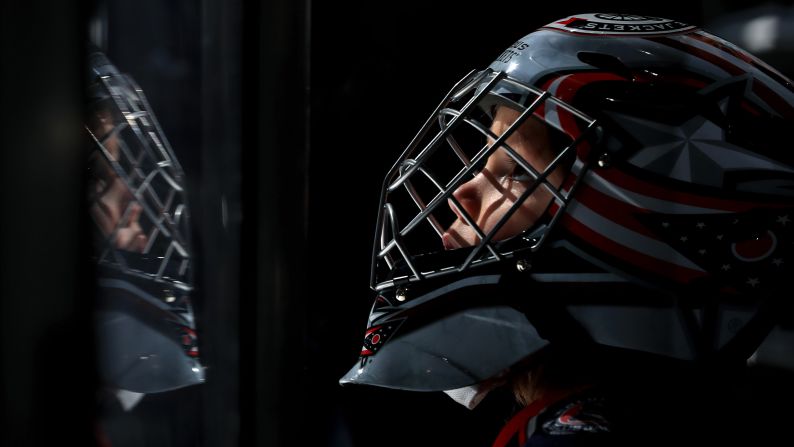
column 520, row 420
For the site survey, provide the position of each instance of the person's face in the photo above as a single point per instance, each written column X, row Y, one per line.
column 488, row 196
column 113, row 205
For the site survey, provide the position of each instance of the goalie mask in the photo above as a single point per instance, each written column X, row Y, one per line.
column 616, row 179
column 146, row 333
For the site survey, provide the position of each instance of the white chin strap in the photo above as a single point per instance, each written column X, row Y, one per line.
column 471, row 396
column 128, row 399
column 468, row 396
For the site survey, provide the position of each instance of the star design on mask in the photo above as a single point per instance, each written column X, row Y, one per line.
column 695, row 149
column 746, row 250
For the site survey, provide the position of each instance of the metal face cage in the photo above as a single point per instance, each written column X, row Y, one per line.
column 136, row 188
column 417, row 201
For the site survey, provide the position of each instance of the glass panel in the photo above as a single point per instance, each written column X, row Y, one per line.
column 162, row 144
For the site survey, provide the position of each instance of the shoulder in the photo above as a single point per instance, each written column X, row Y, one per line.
column 582, row 420
column 588, row 413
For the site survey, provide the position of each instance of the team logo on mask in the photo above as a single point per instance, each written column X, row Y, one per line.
column 375, row 337
column 621, row 24
column 189, row 341
column 749, row 250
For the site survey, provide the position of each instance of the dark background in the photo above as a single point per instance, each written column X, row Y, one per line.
column 285, row 116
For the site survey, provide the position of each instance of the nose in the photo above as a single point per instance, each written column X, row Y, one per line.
column 468, row 195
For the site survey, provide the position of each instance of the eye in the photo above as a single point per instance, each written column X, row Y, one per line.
column 101, row 187
column 517, row 173
column 522, row 176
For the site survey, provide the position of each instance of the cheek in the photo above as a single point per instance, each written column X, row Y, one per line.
column 526, row 215
column 498, row 200
column 537, row 202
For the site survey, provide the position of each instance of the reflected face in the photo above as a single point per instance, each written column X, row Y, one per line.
column 488, row 196
column 113, row 208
